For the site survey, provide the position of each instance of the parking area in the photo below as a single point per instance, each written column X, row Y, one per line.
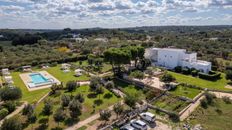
column 143, row 121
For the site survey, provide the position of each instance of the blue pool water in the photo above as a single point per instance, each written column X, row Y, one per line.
column 38, row 78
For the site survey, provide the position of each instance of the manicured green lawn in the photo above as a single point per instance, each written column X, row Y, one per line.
column 33, row 96
column 30, row 96
column 210, row 119
column 185, row 92
column 130, row 89
column 219, row 84
column 170, row 103
column 84, row 63
column 105, row 66
column 87, row 109
column 65, row 77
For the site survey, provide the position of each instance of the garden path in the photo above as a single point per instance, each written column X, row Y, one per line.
column 221, row 94
column 191, row 108
column 88, row 120
column 194, row 105
column 19, row 109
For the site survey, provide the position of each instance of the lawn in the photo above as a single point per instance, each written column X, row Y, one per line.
column 170, row 103
column 130, row 89
column 33, row 96
column 105, row 66
column 30, row 96
column 107, row 99
column 65, row 77
column 185, row 91
column 218, row 85
column 211, row 119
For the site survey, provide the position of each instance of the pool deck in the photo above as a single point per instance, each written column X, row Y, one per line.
column 26, row 78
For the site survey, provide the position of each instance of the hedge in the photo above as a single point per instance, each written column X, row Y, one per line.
column 211, row 76
column 194, row 73
column 3, row 113
column 186, row 71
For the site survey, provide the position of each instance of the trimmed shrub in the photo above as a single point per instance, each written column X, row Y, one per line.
column 230, row 82
column 178, row 69
column 3, row 113
column 211, row 76
column 194, row 73
column 186, row 71
column 229, row 74
column 53, row 64
column 137, row 74
column 174, row 117
column 204, row 103
column 209, row 98
column 10, row 106
column 167, row 78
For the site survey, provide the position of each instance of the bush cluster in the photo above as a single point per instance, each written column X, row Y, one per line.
column 187, row 71
column 211, row 76
column 137, row 74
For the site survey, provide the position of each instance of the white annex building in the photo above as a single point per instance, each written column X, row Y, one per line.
column 170, row 58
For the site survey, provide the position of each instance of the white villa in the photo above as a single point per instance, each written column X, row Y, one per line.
column 171, row 58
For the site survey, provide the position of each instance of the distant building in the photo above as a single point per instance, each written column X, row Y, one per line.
column 80, row 39
column 101, row 39
column 171, row 58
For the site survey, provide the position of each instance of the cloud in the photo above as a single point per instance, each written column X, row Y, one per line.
column 102, row 13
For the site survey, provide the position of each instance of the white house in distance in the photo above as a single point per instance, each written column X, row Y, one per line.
column 170, row 58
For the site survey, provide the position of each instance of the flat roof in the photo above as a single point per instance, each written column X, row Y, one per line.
column 170, row 49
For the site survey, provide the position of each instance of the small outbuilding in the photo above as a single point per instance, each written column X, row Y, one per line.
column 5, row 72
column 78, row 72
column 27, row 68
column 8, row 79
column 65, row 66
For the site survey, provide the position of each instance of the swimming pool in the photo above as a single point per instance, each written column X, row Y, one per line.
column 37, row 78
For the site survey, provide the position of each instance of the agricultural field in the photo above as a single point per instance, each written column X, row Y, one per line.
column 215, row 117
column 170, row 103
column 130, row 89
column 218, row 85
column 185, row 91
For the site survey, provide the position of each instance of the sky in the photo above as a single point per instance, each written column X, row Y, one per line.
column 75, row 14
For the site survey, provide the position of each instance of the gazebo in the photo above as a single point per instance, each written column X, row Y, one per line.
column 78, row 72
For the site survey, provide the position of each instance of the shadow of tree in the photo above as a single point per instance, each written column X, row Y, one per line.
column 98, row 102
column 108, row 96
column 92, row 95
column 42, row 127
column 71, row 121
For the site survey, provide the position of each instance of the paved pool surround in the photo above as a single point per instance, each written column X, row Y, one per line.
column 38, row 80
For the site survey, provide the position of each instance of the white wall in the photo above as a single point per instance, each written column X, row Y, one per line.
column 170, row 58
